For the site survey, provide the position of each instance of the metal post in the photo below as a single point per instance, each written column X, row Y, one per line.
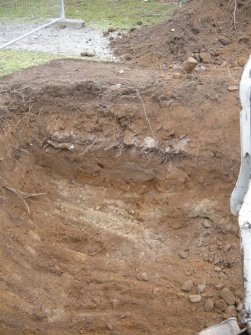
column 62, row 10
column 29, row 33
column 61, row 14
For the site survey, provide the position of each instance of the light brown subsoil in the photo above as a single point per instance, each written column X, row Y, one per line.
column 115, row 190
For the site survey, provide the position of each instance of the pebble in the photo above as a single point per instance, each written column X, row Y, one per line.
column 239, row 307
column 241, row 61
column 160, row 238
column 205, row 57
column 224, row 41
column 34, row 236
column 97, row 301
column 227, row 247
column 109, row 326
column 207, row 224
column 111, row 29
column 220, row 305
column 115, row 87
column 194, row 298
column 233, row 88
column 209, row 306
column 177, row 75
column 227, row 296
column 219, row 286
column 142, row 276
column 230, row 311
column 115, row 303
column 183, row 254
column 88, row 53
column 189, row 65
column 201, row 288
column 187, row 286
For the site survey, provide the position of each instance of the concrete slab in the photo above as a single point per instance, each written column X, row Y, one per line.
column 71, row 23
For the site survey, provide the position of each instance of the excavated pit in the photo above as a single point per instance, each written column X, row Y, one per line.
column 109, row 202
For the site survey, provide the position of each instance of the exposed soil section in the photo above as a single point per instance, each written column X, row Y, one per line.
column 202, row 26
column 115, row 185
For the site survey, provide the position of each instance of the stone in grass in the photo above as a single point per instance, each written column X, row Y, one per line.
column 194, row 298
column 88, row 53
column 111, row 29
column 187, row 286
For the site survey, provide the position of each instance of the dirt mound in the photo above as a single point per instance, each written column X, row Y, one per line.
column 212, row 27
column 115, row 187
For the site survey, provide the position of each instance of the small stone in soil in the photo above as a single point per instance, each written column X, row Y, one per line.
column 220, row 305
column 205, row 57
column 182, row 254
column 227, row 296
column 233, row 88
column 177, row 75
column 142, row 276
column 209, row 306
column 201, row 288
column 189, row 65
column 187, row 286
column 194, row 298
column 230, row 311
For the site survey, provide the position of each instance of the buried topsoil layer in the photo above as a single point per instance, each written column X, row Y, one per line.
column 114, row 193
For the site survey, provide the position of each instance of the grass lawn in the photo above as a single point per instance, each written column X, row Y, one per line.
column 120, row 14
column 12, row 60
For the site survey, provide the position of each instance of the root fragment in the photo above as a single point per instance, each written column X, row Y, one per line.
column 23, row 195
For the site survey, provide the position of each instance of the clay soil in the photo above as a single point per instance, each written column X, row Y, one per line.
column 115, row 185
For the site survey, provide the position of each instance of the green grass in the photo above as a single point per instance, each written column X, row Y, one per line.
column 32, row 10
column 12, row 60
column 121, row 14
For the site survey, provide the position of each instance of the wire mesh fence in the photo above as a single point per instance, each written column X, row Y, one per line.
column 19, row 18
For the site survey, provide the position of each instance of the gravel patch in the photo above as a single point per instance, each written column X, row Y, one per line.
column 55, row 40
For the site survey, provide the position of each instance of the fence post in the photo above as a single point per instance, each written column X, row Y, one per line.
column 62, row 10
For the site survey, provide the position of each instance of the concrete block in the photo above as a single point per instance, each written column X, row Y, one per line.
column 71, row 23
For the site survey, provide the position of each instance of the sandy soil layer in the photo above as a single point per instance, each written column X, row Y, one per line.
column 115, row 185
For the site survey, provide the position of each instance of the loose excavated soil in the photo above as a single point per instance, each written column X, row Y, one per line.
column 115, row 190
column 211, row 26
